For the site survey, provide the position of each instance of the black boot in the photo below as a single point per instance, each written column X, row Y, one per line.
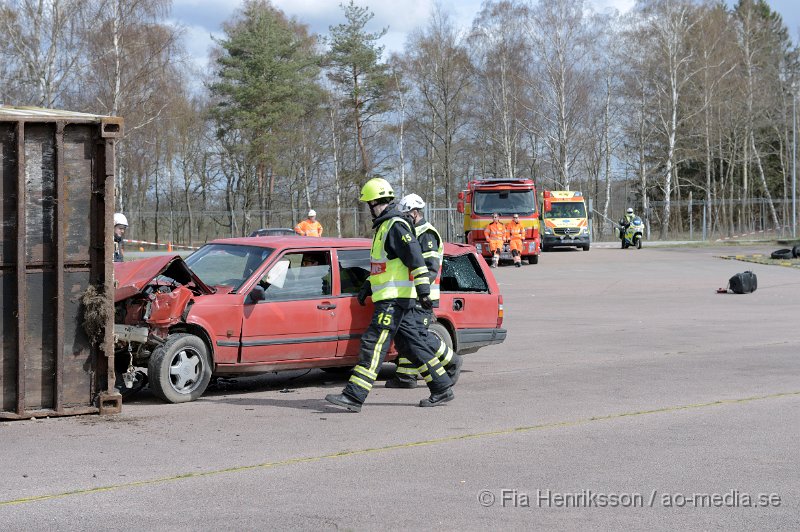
column 437, row 399
column 401, row 382
column 341, row 399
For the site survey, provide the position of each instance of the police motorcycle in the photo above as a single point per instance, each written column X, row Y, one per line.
column 631, row 235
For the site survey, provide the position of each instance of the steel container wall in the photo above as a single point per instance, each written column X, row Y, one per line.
column 56, row 241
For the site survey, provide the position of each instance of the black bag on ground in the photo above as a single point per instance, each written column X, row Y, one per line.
column 743, row 283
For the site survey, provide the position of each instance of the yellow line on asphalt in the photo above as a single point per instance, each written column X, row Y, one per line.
column 435, row 441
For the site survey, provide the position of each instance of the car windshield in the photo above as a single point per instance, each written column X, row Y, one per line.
column 504, row 202
column 572, row 209
column 227, row 264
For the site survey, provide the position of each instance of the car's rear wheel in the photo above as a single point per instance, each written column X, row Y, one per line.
column 180, row 370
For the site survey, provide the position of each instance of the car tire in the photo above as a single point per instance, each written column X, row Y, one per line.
column 180, row 370
column 781, row 254
column 441, row 331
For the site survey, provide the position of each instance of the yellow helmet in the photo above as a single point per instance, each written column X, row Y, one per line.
column 376, row 188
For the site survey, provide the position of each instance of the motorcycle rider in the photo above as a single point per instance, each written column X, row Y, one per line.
column 433, row 252
column 398, row 278
column 625, row 222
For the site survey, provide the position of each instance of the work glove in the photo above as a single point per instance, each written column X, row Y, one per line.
column 424, row 296
column 364, row 293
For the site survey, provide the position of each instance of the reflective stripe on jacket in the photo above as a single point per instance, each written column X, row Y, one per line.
column 515, row 231
column 495, row 231
column 307, row 228
column 433, row 257
column 390, row 279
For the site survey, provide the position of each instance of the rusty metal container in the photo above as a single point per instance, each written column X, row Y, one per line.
column 56, row 244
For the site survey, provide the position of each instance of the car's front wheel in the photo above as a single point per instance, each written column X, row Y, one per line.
column 180, row 370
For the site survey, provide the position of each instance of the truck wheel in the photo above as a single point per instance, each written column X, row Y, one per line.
column 533, row 259
column 441, row 331
column 180, row 370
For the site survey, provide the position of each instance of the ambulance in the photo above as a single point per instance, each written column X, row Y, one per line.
column 564, row 220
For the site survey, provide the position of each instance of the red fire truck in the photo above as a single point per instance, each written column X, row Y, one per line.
column 505, row 197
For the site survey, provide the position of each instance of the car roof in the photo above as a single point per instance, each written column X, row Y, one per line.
column 287, row 242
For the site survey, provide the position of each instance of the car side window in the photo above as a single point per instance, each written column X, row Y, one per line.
column 353, row 269
column 308, row 277
column 462, row 273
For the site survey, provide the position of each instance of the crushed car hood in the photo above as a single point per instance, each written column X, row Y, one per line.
column 130, row 278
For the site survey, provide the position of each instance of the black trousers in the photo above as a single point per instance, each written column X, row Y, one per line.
column 406, row 369
column 393, row 322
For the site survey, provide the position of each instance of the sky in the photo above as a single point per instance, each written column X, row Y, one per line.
column 203, row 18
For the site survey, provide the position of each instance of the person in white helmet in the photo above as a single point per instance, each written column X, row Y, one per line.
column 309, row 226
column 120, row 225
column 411, row 207
column 625, row 222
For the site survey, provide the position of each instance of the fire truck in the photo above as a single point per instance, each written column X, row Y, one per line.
column 505, row 197
column 564, row 220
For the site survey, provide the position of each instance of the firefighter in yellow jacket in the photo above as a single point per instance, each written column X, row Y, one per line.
column 495, row 234
column 309, row 226
column 398, row 280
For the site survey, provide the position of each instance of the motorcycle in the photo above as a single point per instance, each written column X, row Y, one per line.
column 631, row 235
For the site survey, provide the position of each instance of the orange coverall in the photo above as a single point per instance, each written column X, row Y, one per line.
column 308, row 228
column 495, row 234
column 515, row 232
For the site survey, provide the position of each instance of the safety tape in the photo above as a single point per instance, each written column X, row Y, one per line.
column 167, row 245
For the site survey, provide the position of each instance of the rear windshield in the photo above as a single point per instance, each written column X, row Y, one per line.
column 462, row 274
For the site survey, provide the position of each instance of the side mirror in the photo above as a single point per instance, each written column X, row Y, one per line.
column 460, row 205
column 277, row 274
column 461, row 195
column 547, row 205
column 257, row 294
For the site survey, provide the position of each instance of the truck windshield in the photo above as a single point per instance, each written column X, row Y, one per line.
column 572, row 209
column 504, row 202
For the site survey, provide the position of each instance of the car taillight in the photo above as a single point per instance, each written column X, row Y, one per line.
column 499, row 311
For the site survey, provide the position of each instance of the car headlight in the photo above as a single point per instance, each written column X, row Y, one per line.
column 584, row 230
column 548, row 231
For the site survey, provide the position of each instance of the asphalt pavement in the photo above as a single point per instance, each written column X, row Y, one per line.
column 628, row 395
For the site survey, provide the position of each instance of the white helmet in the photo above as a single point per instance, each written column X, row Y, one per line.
column 311, row 213
column 410, row 202
column 629, row 211
column 119, row 219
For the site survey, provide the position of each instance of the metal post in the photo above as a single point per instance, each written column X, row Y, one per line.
column 794, row 164
column 705, row 209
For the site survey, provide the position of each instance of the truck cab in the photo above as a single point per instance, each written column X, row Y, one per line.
column 505, row 197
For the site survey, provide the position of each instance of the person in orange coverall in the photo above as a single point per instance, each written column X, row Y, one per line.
column 495, row 234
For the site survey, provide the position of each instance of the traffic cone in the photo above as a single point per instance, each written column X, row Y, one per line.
column 169, row 246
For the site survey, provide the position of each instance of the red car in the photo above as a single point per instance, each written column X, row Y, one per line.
column 249, row 305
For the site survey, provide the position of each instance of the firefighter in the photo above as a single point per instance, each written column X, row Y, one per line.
column 495, row 234
column 515, row 232
column 120, row 226
column 310, row 226
column 398, row 277
column 433, row 252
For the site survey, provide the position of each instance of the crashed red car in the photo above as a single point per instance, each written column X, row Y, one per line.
column 250, row 305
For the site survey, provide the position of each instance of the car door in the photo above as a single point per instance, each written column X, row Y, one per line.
column 353, row 319
column 297, row 320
